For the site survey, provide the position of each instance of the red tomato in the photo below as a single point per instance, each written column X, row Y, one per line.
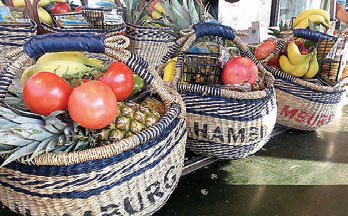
column 93, row 105
column 60, row 8
column 120, row 78
column 46, row 92
column 79, row 9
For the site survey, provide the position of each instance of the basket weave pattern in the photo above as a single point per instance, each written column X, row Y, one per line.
column 152, row 44
column 134, row 176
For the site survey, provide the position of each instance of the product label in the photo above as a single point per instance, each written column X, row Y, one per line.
column 5, row 15
column 102, row 3
column 112, row 18
column 72, row 21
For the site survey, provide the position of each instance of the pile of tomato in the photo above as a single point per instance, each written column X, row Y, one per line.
column 92, row 104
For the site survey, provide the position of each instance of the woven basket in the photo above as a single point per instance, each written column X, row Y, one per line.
column 135, row 176
column 303, row 105
column 152, row 44
column 14, row 36
column 46, row 28
column 221, row 123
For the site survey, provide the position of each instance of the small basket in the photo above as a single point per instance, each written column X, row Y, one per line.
column 96, row 17
column 152, row 44
column 12, row 36
column 329, row 68
column 201, row 68
column 46, row 28
column 303, row 105
column 221, row 123
column 134, row 176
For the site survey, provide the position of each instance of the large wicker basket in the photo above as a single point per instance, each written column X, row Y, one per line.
column 135, row 176
column 302, row 104
column 222, row 123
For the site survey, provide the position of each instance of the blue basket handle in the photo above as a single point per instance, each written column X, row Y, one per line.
column 211, row 29
column 312, row 35
column 61, row 42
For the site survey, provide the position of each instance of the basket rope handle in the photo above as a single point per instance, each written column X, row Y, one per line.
column 114, row 47
column 226, row 32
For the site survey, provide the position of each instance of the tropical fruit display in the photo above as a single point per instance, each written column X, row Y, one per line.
column 315, row 16
column 70, row 103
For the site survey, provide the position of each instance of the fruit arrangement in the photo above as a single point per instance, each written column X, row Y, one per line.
column 70, row 103
column 315, row 16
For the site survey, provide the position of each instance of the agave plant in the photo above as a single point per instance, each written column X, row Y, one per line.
column 182, row 16
column 134, row 15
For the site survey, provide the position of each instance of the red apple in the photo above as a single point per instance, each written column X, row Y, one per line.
column 239, row 70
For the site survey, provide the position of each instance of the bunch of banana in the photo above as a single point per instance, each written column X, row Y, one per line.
column 316, row 16
column 61, row 63
column 169, row 70
column 299, row 65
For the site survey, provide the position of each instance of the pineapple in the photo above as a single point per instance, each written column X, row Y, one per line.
column 182, row 16
column 131, row 119
column 26, row 135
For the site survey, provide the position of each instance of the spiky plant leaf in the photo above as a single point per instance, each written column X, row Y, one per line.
column 193, row 12
column 20, row 111
column 23, row 151
column 168, row 8
column 41, row 148
column 179, row 9
column 9, row 138
column 32, row 131
column 9, row 114
column 6, row 124
column 4, row 147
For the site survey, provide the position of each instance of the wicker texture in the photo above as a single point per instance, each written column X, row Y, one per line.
column 303, row 105
column 227, row 124
column 14, row 36
column 152, row 44
column 132, row 177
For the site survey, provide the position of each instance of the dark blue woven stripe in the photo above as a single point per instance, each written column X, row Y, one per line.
column 226, row 108
column 89, row 166
column 12, row 44
column 97, row 191
column 170, row 52
column 221, row 151
column 308, row 94
column 133, row 63
column 285, row 82
column 52, row 29
column 20, row 29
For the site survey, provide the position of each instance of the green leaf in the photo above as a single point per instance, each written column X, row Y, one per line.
column 6, row 124
column 23, row 151
column 23, row 113
column 32, row 131
column 193, row 12
column 52, row 145
column 168, row 8
column 184, row 14
column 9, row 138
column 41, row 148
column 9, row 114
column 4, row 147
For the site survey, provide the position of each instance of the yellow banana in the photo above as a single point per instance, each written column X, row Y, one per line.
column 156, row 15
column 44, row 16
column 1, row 4
column 294, row 54
column 70, row 56
column 313, row 66
column 306, row 13
column 316, row 19
column 158, row 7
column 169, row 70
column 294, row 70
column 21, row 3
column 58, row 67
